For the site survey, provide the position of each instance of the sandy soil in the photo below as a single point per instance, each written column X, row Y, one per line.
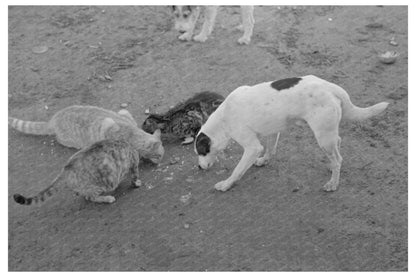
column 277, row 217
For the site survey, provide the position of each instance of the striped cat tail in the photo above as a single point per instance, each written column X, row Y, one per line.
column 41, row 196
column 30, row 127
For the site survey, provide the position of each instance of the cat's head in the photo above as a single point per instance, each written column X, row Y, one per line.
column 149, row 145
column 152, row 123
column 153, row 149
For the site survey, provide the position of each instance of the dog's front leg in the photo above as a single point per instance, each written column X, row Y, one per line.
column 192, row 22
column 250, row 155
column 209, row 20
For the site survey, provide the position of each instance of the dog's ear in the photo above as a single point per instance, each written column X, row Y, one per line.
column 202, row 144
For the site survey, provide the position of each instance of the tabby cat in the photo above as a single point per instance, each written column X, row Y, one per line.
column 81, row 126
column 93, row 171
column 186, row 118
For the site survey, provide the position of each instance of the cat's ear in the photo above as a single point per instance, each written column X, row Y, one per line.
column 107, row 124
column 126, row 113
column 157, row 133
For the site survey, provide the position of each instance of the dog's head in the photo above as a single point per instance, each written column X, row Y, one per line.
column 185, row 17
column 206, row 150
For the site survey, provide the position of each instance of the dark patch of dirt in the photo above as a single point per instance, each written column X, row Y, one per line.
column 277, row 217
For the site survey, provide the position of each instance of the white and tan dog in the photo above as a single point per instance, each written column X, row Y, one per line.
column 186, row 17
column 265, row 109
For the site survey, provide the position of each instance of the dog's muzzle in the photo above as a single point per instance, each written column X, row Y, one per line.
column 205, row 162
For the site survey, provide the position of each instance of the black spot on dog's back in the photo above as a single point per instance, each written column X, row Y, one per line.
column 202, row 144
column 285, row 83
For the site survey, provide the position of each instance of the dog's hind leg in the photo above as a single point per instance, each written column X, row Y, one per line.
column 209, row 20
column 248, row 24
column 330, row 145
column 325, row 128
column 252, row 149
column 271, row 145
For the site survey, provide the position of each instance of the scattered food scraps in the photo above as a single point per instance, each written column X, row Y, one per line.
column 174, row 160
column 149, row 186
column 187, row 140
column 393, row 42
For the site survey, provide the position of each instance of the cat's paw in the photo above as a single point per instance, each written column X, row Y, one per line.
column 262, row 161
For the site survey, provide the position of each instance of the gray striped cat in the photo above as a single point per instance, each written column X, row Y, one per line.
column 93, row 171
column 81, row 126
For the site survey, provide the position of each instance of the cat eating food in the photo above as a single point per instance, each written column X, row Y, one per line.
column 93, row 171
column 81, row 126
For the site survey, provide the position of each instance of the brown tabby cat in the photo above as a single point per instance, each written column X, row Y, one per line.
column 186, row 118
column 93, row 171
column 81, row 126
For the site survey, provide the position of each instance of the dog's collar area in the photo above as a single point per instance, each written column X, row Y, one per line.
column 202, row 144
column 285, row 83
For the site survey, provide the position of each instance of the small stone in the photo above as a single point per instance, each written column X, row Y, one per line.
column 295, row 190
column 186, row 226
column 40, row 49
column 147, row 111
column 374, row 25
column 185, row 198
column 393, row 42
column 388, row 57
column 329, row 19
column 220, row 171
column 46, row 107
column 124, row 105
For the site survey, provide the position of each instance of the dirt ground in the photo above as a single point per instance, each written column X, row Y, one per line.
column 277, row 218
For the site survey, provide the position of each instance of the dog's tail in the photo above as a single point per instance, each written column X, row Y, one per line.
column 354, row 113
column 29, row 127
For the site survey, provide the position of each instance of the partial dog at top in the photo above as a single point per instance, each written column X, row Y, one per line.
column 187, row 16
column 265, row 109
